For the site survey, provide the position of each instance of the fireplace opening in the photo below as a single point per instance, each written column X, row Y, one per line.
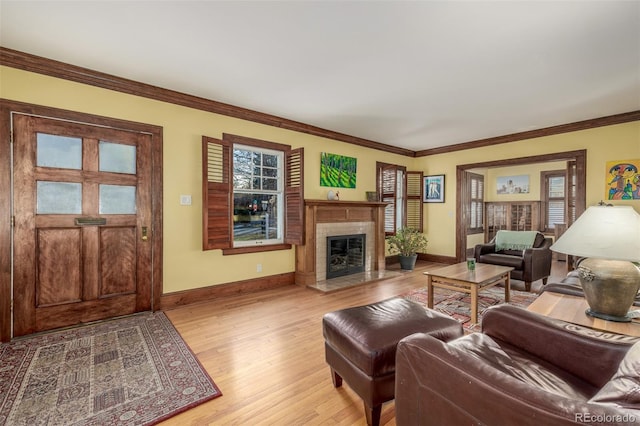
column 345, row 255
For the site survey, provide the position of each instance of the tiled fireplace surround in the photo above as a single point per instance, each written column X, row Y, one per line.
column 330, row 218
column 324, row 230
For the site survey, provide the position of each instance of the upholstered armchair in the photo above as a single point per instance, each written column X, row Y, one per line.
column 522, row 369
column 529, row 265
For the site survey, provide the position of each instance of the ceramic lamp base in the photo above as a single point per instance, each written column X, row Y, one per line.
column 610, row 287
column 607, row 317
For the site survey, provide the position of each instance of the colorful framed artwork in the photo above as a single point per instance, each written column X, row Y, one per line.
column 433, row 189
column 337, row 171
column 512, row 184
column 623, row 180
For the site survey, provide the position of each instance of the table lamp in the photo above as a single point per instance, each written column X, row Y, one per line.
column 609, row 238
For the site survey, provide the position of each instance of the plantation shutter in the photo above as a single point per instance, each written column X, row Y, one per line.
column 294, row 197
column 571, row 192
column 216, row 194
column 415, row 186
column 475, row 190
column 387, row 188
column 556, row 201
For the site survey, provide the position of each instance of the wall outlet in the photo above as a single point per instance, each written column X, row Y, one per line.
column 259, row 267
column 185, row 200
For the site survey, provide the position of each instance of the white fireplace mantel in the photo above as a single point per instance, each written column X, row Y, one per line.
column 347, row 216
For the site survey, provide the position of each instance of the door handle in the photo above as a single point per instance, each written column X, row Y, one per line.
column 145, row 233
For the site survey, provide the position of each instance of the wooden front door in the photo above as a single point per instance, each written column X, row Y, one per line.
column 82, row 207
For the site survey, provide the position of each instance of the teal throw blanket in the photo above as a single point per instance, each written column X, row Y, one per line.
column 515, row 240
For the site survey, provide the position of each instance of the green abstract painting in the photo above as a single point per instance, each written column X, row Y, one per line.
column 337, row 171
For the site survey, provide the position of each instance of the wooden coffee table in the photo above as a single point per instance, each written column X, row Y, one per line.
column 458, row 278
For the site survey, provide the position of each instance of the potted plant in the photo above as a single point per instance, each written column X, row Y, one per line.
column 407, row 242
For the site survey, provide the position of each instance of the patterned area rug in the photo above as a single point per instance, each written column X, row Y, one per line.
column 130, row 371
column 458, row 305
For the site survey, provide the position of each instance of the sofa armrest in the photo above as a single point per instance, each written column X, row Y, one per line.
column 586, row 353
column 540, row 254
column 481, row 249
column 440, row 383
column 537, row 261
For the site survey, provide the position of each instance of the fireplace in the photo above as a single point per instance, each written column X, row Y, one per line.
column 345, row 255
column 324, row 218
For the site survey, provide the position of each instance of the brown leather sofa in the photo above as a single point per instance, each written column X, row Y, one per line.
column 528, row 265
column 523, row 369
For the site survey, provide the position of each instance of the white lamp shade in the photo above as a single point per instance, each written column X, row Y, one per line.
column 603, row 232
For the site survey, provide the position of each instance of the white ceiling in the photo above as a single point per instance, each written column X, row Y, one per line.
column 413, row 74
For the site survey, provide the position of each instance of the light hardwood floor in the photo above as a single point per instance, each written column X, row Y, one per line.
column 265, row 351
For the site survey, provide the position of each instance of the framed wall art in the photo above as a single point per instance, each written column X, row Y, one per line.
column 337, row 171
column 623, row 180
column 433, row 189
column 512, row 184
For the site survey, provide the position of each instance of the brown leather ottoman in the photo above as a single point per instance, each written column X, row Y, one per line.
column 360, row 345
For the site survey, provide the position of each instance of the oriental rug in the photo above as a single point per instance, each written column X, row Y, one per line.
column 457, row 304
column 128, row 371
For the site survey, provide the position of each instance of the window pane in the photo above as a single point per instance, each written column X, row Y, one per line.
column 117, row 158
column 116, row 199
column 249, row 166
column 255, row 216
column 269, row 160
column 555, row 213
column 59, row 151
column 241, row 181
column 556, row 187
column 242, row 168
column 269, row 184
column 58, row 198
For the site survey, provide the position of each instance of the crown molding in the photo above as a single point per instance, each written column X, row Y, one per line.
column 532, row 134
column 53, row 68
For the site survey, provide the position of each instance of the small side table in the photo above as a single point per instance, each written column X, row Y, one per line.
column 572, row 309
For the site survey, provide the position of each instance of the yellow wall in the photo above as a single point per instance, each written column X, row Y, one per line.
column 186, row 266
column 618, row 142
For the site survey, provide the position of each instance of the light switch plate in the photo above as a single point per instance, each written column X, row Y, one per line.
column 185, row 200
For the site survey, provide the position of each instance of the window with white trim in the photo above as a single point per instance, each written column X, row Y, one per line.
column 253, row 194
column 257, row 196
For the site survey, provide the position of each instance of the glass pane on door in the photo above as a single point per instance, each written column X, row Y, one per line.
column 117, row 158
column 58, row 151
column 58, row 198
column 117, row 199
